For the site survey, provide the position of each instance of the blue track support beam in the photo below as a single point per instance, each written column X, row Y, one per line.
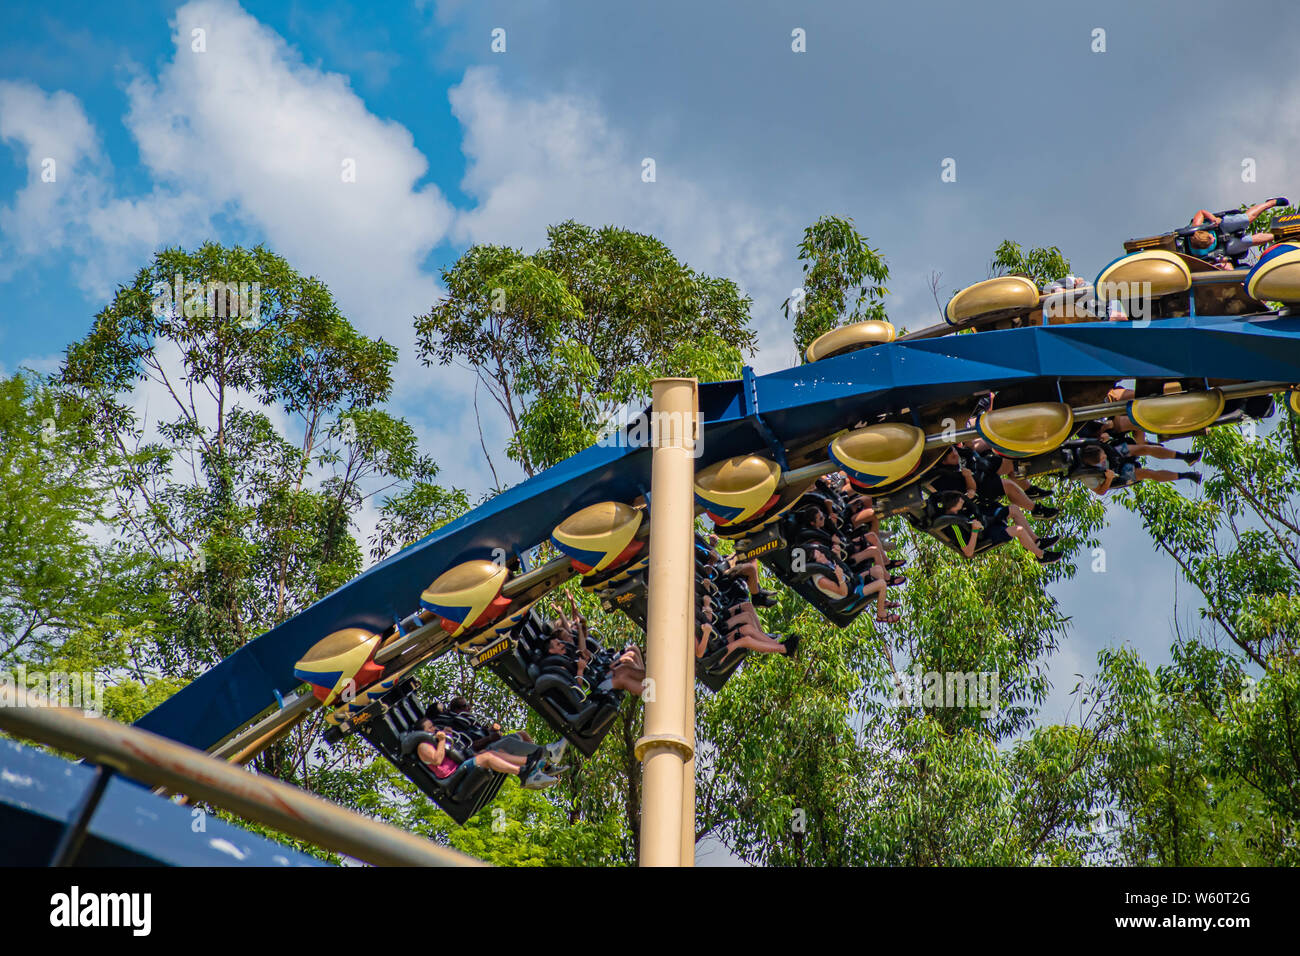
column 74, row 834
column 799, row 404
column 749, row 397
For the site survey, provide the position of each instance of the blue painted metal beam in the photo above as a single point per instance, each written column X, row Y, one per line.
column 797, row 406
column 39, row 794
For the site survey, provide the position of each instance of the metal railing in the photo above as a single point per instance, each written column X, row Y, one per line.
column 158, row 761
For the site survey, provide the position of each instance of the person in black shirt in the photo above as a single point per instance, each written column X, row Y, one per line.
column 1103, row 465
column 992, row 524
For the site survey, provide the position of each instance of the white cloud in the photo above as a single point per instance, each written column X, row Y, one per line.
column 246, row 131
column 537, row 161
column 59, row 143
column 255, row 132
column 66, row 206
column 243, row 129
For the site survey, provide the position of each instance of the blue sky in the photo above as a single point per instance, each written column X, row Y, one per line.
column 1055, row 143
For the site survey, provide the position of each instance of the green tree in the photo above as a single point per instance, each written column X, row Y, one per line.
column 59, row 573
column 563, row 338
column 265, row 434
column 74, row 598
column 824, row 761
column 843, row 280
column 1203, row 765
column 1043, row 265
column 48, row 504
column 1190, row 762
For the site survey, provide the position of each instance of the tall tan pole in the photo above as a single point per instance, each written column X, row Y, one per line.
column 667, row 748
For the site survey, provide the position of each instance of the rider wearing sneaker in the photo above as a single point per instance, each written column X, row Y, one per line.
column 498, row 759
column 1229, row 236
column 993, row 478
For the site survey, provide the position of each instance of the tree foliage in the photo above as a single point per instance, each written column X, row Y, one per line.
column 1043, row 265
column 1203, row 765
column 240, row 438
column 825, row 761
column 843, row 280
column 242, row 442
column 49, row 503
column 565, row 337
column 74, row 597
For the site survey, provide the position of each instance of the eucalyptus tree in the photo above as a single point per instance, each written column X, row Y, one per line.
column 242, row 424
column 564, row 338
column 843, row 280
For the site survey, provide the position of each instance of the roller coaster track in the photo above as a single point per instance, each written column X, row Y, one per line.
column 247, row 700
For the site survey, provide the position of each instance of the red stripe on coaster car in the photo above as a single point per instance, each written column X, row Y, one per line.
column 493, row 611
column 627, row 554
